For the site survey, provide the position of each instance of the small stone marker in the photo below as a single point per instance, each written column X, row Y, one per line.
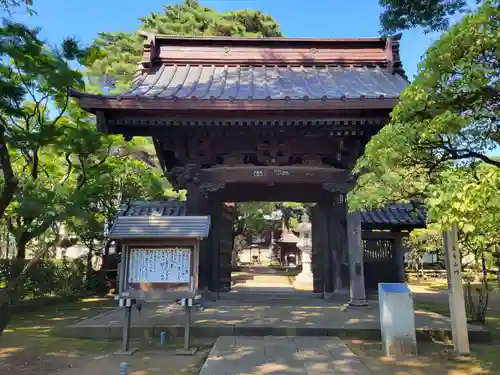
column 397, row 319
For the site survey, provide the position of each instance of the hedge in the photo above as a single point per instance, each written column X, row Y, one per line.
column 46, row 278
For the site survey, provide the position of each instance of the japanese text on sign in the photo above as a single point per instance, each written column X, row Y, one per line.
column 171, row 265
column 455, row 261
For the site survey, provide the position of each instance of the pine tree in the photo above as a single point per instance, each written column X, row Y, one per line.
column 117, row 54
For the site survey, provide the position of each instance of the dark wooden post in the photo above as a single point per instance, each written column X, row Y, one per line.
column 215, row 215
column 324, row 232
column 197, row 204
column 339, row 240
column 356, row 271
column 399, row 256
column 316, row 256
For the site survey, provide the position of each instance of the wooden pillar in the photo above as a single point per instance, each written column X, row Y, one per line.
column 398, row 253
column 325, row 242
column 338, row 235
column 196, row 204
column 194, row 199
column 216, row 219
column 316, row 256
column 356, row 273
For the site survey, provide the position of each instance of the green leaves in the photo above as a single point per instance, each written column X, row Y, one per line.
column 432, row 15
column 116, row 55
column 436, row 146
column 448, row 114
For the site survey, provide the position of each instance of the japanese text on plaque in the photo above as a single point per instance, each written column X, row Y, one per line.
column 159, row 265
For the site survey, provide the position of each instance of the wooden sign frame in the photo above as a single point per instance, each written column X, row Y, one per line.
column 159, row 291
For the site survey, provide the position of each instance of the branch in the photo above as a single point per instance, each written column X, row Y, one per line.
column 10, row 180
column 63, row 109
column 34, row 164
column 70, row 168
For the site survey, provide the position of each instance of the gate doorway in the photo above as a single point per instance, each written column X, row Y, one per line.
column 267, row 252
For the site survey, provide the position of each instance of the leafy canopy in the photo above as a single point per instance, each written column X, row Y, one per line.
column 449, row 114
column 432, row 15
column 117, row 54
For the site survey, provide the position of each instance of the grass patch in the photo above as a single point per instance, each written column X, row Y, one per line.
column 483, row 355
column 30, row 342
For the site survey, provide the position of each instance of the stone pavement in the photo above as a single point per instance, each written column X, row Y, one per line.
column 233, row 355
column 249, row 316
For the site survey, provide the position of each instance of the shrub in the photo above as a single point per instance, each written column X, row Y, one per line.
column 45, row 278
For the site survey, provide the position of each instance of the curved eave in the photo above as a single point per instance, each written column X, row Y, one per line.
column 96, row 103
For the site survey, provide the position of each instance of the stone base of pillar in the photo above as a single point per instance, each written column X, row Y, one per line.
column 338, row 294
column 304, row 280
column 358, row 303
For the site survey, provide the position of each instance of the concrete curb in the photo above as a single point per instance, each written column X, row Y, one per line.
column 113, row 332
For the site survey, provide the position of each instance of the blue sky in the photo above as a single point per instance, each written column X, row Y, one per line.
column 298, row 18
column 84, row 19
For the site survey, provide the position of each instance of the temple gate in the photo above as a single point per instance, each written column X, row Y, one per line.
column 263, row 119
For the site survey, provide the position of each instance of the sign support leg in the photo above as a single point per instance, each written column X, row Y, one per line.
column 126, row 350
column 187, row 349
column 187, row 328
column 126, row 329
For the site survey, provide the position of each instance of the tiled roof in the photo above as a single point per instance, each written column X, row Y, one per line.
column 160, row 227
column 288, row 237
column 398, row 216
column 248, row 83
column 154, row 208
column 401, row 216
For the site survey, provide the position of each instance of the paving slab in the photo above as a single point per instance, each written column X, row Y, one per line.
column 301, row 317
column 289, row 355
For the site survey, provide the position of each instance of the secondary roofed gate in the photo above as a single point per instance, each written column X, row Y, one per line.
column 263, row 119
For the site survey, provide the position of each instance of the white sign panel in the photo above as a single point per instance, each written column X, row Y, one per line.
column 170, row 265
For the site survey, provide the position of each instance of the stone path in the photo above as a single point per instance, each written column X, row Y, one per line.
column 278, row 317
column 234, row 355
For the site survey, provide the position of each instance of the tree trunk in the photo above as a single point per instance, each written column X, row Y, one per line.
column 21, row 248
column 483, row 265
column 10, row 181
column 89, row 270
column 7, row 256
column 5, row 313
column 8, row 292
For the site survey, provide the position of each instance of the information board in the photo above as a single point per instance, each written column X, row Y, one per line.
column 159, row 265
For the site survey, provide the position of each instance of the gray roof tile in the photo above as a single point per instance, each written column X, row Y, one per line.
column 266, row 82
column 400, row 216
column 165, row 219
column 397, row 216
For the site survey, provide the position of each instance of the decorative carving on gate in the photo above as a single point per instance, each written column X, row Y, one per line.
column 273, row 152
column 336, row 186
column 233, row 159
column 211, row 187
column 312, row 160
column 200, row 149
column 181, row 176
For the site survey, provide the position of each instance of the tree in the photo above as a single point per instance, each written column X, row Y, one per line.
column 117, row 54
column 447, row 116
column 10, row 5
column 432, row 15
column 31, row 75
column 34, row 83
column 121, row 180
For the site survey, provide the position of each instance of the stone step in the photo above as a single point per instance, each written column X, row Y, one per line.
column 269, row 297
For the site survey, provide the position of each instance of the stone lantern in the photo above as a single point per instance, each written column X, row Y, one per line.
column 304, row 280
